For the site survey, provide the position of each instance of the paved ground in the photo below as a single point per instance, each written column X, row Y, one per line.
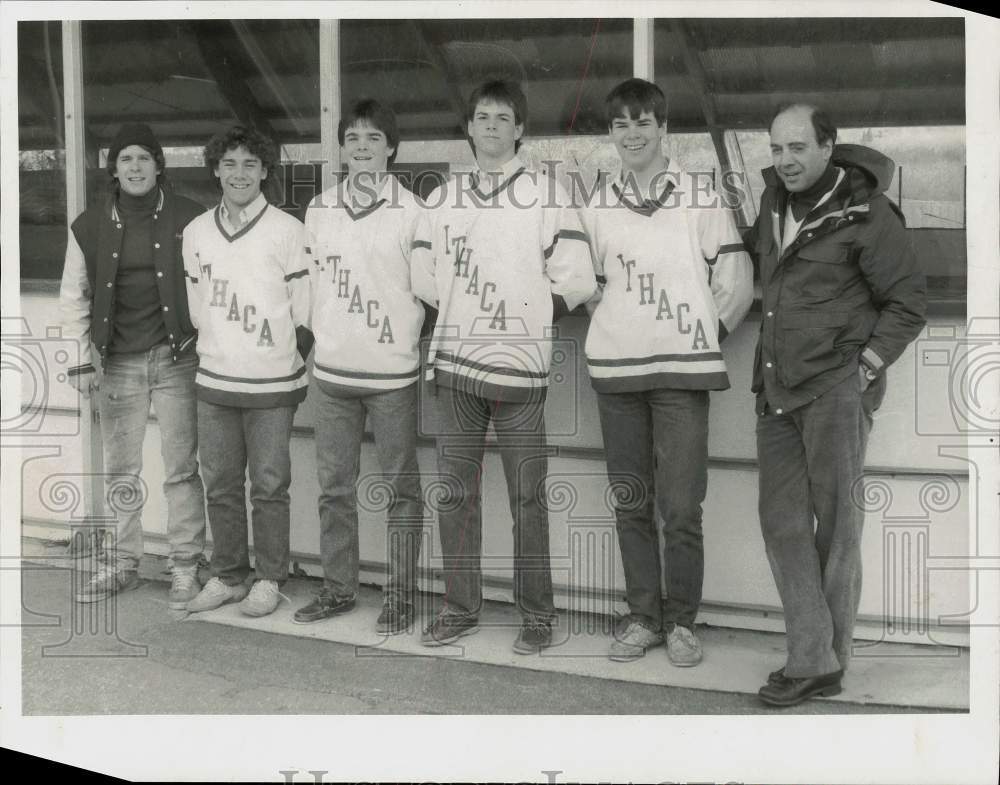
column 151, row 663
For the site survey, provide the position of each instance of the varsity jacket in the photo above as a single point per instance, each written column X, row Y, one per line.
column 496, row 264
column 249, row 292
column 365, row 317
column 93, row 250
column 675, row 281
column 847, row 289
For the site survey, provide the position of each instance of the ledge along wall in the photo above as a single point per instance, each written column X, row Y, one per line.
column 917, row 524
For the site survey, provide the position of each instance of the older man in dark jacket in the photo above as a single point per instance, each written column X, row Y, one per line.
column 843, row 295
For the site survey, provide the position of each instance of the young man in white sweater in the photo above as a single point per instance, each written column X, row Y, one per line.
column 248, row 288
column 502, row 256
column 367, row 325
column 675, row 281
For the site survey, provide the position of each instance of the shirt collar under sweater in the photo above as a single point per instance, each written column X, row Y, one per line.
column 490, row 181
column 665, row 183
column 245, row 216
column 368, row 187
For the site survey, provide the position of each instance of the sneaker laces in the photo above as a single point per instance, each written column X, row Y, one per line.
column 108, row 572
column 396, row 603
column 215, row 586
column 686, row 637
column 183, row 578
column 325, row 593
column 636, row 634
column 264, row 591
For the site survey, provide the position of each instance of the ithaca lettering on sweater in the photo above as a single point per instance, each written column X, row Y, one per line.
column 676, row 280
column 365, row 317
column 248, row 291
column 491, row 261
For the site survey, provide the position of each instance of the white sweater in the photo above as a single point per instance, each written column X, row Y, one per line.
column 491, row 262
column 676, row 280
column 247, row 293
column 365, row 317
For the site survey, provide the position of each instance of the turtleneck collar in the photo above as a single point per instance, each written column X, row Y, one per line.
column 803, row 201
column 139, row 204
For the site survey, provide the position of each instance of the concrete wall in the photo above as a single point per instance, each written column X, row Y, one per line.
column 918, row 498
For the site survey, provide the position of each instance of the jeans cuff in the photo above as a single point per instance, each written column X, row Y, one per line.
column 646, row 621
column 122, row 562
column 449, row 610
column 186, row 561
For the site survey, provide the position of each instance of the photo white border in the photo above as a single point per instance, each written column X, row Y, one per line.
column 820, row 749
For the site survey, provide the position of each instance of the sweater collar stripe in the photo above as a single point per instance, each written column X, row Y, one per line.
column 502, row 187
column 357, row 216
column 648, row 206
column 234, row 237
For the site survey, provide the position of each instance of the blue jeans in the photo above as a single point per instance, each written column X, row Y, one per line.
column 656, row 442
column 340, row 423
column 131, row 382
column 810, row 460
column 233, row 439
column 520, row 431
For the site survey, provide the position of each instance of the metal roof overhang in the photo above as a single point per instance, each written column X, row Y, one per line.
column 188, row 79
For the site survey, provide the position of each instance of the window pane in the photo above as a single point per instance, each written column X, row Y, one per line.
column 41, row 150
column 929, row 183
column 426, row 69
column 189, row 80
column 872, row 71
column 928, row 186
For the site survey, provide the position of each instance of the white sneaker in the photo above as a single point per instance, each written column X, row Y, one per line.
column 216, row 593
column 263, row 599
column 683, row 647
column 184, row 587
column 632, row 644
column 109, row 579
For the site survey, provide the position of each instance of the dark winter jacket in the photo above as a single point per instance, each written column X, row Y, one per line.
column 848, row 289
column 93, row 250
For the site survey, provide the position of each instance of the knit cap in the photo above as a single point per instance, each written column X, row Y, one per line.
column 129, row 134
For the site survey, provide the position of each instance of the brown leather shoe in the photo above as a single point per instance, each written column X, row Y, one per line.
column 791, row 692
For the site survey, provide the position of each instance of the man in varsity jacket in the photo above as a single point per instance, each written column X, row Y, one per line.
column 675, row 281
column 843, row 295
column 366, row 321
column 248, row 287
column 123, row 290
column 502, row 257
